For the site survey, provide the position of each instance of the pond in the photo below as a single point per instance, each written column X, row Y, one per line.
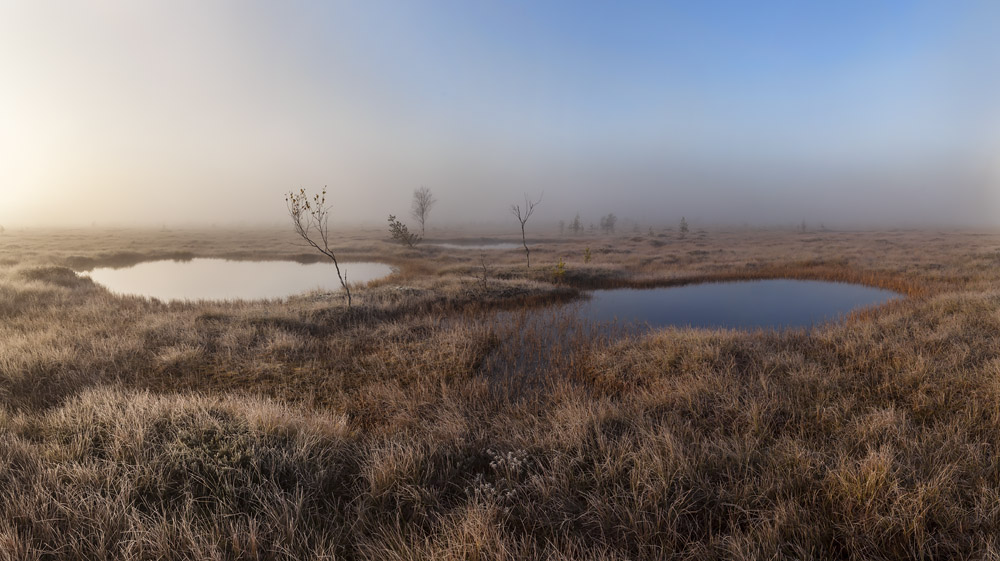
column 533, row 343
column 480, row 246
column 222, row 279
column 768, row 304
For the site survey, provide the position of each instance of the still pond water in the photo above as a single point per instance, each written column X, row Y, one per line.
column 222, row 279
column 769, row 304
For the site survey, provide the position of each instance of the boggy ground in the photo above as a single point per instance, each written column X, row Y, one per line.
column 410, row 427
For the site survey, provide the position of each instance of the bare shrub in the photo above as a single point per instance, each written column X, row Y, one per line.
column 311, row 219
column 522, row 215
column 423, row 200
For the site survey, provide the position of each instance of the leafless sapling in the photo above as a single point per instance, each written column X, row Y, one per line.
column 486, row 270
column 311, row 220
column 523, row 214
column 423, row 200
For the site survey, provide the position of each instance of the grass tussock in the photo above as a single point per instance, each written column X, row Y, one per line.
column 438, row 419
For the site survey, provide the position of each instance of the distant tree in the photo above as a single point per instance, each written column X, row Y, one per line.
column 562, row 227
column 311, row 219
column 423, row 200
column 635, row 228
column 802, row 227
column 2, row 230
column 575, row 225
column 608, row 223
column 522, row 215
column 684, row 227
column 401, row 233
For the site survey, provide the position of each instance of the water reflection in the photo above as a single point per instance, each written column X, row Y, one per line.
column 768, row 304
column 532, row 344
column 221, row 279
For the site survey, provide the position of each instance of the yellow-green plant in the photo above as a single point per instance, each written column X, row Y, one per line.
column 559, row 271
column 586, row 255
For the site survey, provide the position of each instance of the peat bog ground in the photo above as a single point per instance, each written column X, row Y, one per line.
column 414, row 425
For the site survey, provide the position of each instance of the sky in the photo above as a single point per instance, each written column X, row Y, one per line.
column 186, row 112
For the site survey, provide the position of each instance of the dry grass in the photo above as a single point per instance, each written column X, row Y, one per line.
column 418, row 425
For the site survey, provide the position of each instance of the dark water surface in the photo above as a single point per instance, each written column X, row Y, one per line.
column 222, row 279
column 534, row 343
column 777, row 304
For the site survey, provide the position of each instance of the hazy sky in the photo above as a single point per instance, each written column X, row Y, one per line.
column 761, row 112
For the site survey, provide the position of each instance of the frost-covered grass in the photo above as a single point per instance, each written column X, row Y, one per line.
column 410, row 426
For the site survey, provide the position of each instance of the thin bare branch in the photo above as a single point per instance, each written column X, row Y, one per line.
column 522, row 215
column 423, row 200
column 314, row 215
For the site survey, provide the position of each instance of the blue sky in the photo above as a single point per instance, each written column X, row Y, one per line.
column 715, row 69
column 121, row 111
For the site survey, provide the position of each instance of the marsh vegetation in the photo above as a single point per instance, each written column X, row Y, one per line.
column 414, row 425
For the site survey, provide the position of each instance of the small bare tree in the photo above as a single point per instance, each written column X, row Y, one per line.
column 522, row 215
column 486, row 270
column 423, row 200
column 311, row 219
